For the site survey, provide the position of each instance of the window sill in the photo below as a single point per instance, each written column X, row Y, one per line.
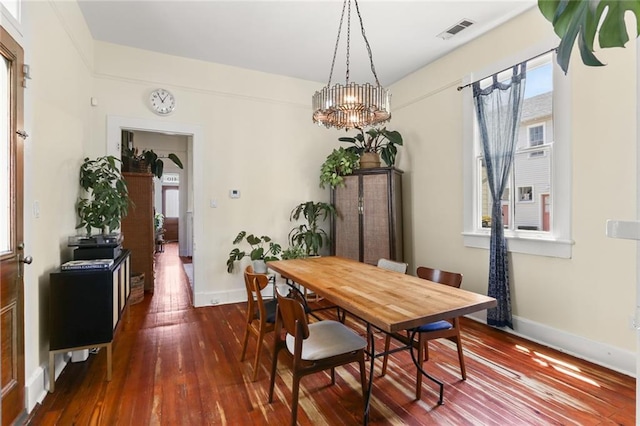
column 535, row 245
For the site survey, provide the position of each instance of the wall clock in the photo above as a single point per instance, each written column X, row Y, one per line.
column 162, row 101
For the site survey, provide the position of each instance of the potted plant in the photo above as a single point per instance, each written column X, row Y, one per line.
column 106, row 197
column 294, row 252
column 377, row 143
column 309, row 235
column 147, row 161
column 340, row 162
column 259, row 254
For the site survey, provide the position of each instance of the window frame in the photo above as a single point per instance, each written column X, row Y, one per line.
column 557, row 242
column 544, row 134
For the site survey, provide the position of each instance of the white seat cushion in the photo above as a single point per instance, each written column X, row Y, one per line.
column 326, row 339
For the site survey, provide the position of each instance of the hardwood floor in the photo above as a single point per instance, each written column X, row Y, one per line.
column 176, row 365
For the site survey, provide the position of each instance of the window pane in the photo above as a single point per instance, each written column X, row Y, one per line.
column 5, row 155
column 532, row 167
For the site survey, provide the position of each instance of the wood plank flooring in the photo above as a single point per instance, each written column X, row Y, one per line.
column 177, row 365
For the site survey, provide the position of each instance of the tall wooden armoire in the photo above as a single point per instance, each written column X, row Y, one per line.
column 138, row 226
column 368, row 225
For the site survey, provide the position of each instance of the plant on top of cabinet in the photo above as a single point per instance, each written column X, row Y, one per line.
column 147, row 161
column 309, row 235
column 106, row 197
column 259, row 254
column 340, row 162
column 378, row 143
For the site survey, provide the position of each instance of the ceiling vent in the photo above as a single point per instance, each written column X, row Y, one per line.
column 447, row 34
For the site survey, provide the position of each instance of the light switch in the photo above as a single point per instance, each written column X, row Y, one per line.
column 36, row 209
column 213, row 203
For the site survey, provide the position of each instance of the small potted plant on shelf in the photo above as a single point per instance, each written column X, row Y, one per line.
column 294, row 252
column 309, row 235
column 259, row 254
column 106, row 198
column 339, row 163
column 374, row 144
column 147, row 161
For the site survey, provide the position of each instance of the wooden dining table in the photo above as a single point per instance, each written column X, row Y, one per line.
column 386, row 300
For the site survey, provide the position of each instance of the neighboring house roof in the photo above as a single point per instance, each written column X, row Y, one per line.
column 537, row 107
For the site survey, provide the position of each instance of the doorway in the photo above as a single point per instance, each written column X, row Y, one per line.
column 189, row 186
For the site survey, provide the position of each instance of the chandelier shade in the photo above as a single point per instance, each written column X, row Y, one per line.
column 351, row 105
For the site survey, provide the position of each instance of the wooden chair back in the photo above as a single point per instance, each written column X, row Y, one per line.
column 452, row 279
column 254, row 284
column 293, row 316
column 392, row 265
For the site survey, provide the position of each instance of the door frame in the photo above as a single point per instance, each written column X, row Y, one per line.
column 115, row 125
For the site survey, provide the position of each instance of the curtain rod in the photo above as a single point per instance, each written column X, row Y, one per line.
column 526, row 60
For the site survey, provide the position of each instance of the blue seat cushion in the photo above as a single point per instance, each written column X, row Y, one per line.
column 435, row 326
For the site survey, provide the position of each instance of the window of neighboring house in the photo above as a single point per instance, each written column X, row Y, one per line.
column 536, row 202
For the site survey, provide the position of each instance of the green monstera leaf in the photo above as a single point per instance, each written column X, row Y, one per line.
column 579, row 19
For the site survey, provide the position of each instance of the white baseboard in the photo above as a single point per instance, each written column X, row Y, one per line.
column 37, row 385
column 607, row 356
column 213, row 298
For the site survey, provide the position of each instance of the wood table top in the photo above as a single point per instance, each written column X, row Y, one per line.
column 389, row 300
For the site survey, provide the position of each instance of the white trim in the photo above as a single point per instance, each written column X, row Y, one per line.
column 558, row 242
column 114, row 126
column 607, row 356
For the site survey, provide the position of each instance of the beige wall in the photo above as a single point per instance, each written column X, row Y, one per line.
column 590, row 296
column 257, row 137
column 59, row 50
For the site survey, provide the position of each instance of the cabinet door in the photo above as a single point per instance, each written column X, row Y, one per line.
column 375, row 218
column 347, row 225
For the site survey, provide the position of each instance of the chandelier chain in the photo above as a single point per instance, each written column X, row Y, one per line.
column 366, row 42
column 335, row 50
column 348, row 40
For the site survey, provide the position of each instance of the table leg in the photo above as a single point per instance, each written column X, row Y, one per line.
column 109, row 361
column 52, row 371
column 424, row 373
column 372, row 356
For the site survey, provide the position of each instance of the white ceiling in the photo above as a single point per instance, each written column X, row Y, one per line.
column 297, row 38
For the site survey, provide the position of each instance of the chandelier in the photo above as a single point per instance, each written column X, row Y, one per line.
column 351, row 105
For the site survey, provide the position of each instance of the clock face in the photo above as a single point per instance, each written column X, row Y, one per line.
column 162, row 101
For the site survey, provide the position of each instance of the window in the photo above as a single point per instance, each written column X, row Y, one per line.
column 536, row 202
column 536, row 133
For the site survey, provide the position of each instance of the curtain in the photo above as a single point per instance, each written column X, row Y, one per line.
column 498, row 109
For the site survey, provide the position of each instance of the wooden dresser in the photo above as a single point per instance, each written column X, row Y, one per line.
column 138, row 226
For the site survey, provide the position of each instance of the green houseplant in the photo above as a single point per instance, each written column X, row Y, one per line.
column 106, row 197
column 579, row 19
column 147, row 160
column 294, row 252
column 259, row 253
column 340, row 162
column 309, row 235
column 378, row 143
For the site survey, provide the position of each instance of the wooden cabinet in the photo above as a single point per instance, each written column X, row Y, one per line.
column 85, row 307
column 368, row 225
column 138, row 226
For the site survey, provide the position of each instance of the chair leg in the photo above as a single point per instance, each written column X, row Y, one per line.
column 274, row 367
column 426, row 351
column 387, row 342
column 421, row 345
column 294, row 402
column 363, row 380
column 257, row 358
column 244, row 343
column 333, row 376
column 463, row 370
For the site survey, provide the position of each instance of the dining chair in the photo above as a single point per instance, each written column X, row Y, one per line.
column 449, row 329
column 261, row 314
column 313, row 347
column 392, row 265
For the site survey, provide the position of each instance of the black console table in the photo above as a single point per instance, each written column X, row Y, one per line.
column 85, row 307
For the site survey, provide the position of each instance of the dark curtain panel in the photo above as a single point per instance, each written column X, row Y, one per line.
column 498, row 109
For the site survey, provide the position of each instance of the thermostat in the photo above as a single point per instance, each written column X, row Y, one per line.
column 234, row 193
